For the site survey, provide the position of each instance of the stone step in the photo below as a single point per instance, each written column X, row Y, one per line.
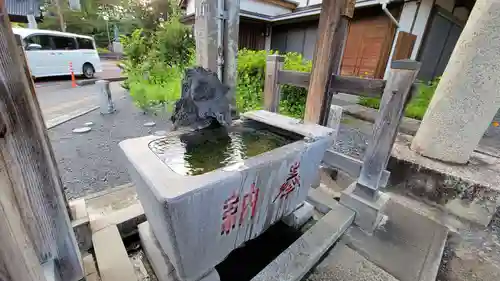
column 112, row 258
column 344, row 264
column 408, row 246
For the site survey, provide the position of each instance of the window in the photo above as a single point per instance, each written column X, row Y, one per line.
column 42, row 40
column 84, row 43
column 64, row 43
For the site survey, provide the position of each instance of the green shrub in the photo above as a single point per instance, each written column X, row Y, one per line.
column 417, row 107
column 101, row 50
column 251, row 77
column 155, row 69
column 155, row 66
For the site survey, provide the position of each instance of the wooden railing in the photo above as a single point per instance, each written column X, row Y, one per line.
column 394, row 94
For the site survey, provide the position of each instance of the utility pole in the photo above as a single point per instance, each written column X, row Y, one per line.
column 59, row 13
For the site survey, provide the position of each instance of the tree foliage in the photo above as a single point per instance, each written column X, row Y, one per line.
column 98, row 18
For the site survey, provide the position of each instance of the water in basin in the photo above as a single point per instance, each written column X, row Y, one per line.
column 202, row 151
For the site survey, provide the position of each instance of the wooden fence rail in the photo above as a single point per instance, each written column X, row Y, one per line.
column 394, row 94
column 276, row 76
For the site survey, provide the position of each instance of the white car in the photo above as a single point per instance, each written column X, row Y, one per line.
column 50, row 53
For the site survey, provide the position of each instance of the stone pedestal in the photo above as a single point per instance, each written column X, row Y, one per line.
column 163, row 268
column 467, row 97
column 300, row 216
column 368, row 210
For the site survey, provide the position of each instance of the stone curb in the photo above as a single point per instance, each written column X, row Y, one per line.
column 67, row 117
column 92, row 81
column 469, row 192
column 298, row 259
column 408, row 125
column 112, row 258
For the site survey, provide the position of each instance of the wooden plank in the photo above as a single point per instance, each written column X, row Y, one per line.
column 30, row 167
column 364, row 87
column 324, row 63
column 271, row 87
column 404, row 46
column 396, row 93
column 18, row 259
column 295, row 78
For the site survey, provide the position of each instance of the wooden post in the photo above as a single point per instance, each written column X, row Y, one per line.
column 397, row 91
column 333, row 26
column 206, row 32
column 271, row 87
column 35, row 229
column 231, row 32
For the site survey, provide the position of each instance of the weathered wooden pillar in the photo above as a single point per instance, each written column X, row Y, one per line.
column 396, row 93
column 363, row 196
column 36, row 236
column 332, row 30
column 271, row 87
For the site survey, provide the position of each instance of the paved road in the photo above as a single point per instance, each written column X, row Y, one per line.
column 57, row 98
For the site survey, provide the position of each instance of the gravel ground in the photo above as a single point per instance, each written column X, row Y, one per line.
column 92, row 162
column 353, row 137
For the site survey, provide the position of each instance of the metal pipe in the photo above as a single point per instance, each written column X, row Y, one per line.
column 386, row 11
column 220, row 39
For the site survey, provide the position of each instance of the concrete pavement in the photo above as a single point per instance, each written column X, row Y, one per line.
column 58, row 99
column 60, row 103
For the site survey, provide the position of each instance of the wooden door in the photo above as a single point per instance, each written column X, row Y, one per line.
column 368, row 46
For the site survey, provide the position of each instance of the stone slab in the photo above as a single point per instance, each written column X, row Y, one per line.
column 344, row 264
column 408, row 246
column 83, row 234
column 470, row 192
column 300, row 216
column 294, row 263
column 350, row 165
column 119, row 206
column 163, row 268
column 126, row 219
column 111, row 255
column 369, row 213
column 90, row 268
column 80, row 224
column 78, row 209
column 322, row 201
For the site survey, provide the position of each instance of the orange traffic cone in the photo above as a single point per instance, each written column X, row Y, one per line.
column 73, row 80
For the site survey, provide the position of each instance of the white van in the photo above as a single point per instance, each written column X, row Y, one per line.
column 49, row 53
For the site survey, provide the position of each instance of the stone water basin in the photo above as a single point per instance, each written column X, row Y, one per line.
column 205, row 194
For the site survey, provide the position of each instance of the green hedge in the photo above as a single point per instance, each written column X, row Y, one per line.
column 417, row 107
column 155, row 68
column 251, row 76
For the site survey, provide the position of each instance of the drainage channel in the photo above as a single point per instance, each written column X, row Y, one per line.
column 241, row 264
